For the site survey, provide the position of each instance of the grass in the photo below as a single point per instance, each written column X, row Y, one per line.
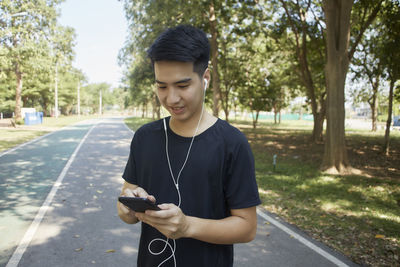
column 356, row 215
column 134, row 123
column 11, row 137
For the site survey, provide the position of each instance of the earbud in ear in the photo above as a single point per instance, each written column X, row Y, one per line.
column 205, row 84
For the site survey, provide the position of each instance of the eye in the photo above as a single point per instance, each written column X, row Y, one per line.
column 183, row 86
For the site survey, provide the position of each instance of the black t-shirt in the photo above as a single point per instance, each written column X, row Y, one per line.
column 219, row 176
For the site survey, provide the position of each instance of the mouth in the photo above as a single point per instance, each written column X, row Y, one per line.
column 177, row 110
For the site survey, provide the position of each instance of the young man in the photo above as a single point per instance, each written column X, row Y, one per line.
column 198, row 168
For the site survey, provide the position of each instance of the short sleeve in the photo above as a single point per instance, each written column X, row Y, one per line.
column 241, row 189
column 129, row 174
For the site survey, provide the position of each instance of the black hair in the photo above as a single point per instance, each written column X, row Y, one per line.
column 183, row 43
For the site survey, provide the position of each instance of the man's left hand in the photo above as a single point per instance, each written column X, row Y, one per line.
column 170, row 220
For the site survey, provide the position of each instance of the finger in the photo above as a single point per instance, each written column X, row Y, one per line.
column 167, row 211
column 151, row 198
column 153, row 221
column 140, row 192
column 124, row 208
column 167, row 206
column 129, row 193
column 142, row 217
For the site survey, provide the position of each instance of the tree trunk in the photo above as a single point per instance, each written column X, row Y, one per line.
column 372, row 101
column 226, row 111
column 18, row 93
column 319, row 118
column 374, row 108
column 156, row 107
column 318, row 127
column 255, row 120
column 337, row 15
column 389, row 119
column 214, row 61
column 279, row 116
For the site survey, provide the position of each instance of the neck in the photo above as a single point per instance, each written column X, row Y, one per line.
column 188, row 128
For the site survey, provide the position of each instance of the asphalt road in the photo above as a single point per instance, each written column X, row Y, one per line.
column 70, row 180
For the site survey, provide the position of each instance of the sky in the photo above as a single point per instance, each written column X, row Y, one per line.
column 101, row 29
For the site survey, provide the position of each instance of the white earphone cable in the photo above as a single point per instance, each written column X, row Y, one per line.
column 176, row 183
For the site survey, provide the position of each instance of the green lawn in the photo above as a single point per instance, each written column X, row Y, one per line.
column 10, row 137
column 356, row 215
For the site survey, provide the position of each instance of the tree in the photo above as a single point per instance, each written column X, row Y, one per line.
column 390, row 56
column 368, row 66
column 149, row 18
column 62, row 43
column 27, row 25
column 304, row 19
column 339, row 54
column 255, row 92
column 91, row 95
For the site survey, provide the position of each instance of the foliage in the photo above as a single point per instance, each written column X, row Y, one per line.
column 241, row 35
column 33, row 46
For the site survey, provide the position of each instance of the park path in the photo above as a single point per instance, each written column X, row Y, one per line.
column 81, row 226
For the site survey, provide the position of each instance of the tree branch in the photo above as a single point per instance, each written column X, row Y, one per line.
column 364, row 27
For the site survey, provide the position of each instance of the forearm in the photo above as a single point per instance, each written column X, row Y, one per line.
column 230, row 230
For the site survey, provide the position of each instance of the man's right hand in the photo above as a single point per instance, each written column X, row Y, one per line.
column 131, row 190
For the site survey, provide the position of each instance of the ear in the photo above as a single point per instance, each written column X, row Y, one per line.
column 206, row 78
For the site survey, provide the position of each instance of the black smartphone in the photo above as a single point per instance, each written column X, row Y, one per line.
column 138, row 204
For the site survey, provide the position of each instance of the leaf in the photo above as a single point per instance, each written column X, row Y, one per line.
column 99, row 191
column 78, row 249
column 110, row 251
column 380, row 236
column 267, row 223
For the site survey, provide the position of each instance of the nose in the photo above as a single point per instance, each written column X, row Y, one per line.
column 173, row 96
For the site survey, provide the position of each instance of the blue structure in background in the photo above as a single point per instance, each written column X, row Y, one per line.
column 396, row 121
column 33, row 118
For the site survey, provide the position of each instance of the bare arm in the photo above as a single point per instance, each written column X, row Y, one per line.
column 240, row 227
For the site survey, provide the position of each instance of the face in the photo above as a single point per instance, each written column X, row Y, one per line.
column 179, row 89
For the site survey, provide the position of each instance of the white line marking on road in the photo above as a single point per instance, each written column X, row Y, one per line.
column 302, row 239
column 17, row 255
column 128, row 127
column 24, row 144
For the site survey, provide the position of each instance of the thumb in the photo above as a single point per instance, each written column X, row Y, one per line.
column 167, row 206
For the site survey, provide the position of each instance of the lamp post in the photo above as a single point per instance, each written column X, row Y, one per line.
column 79, row 98
column 56, row 93
column 100, row 104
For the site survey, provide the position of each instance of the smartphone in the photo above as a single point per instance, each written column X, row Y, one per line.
column 138, row 204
